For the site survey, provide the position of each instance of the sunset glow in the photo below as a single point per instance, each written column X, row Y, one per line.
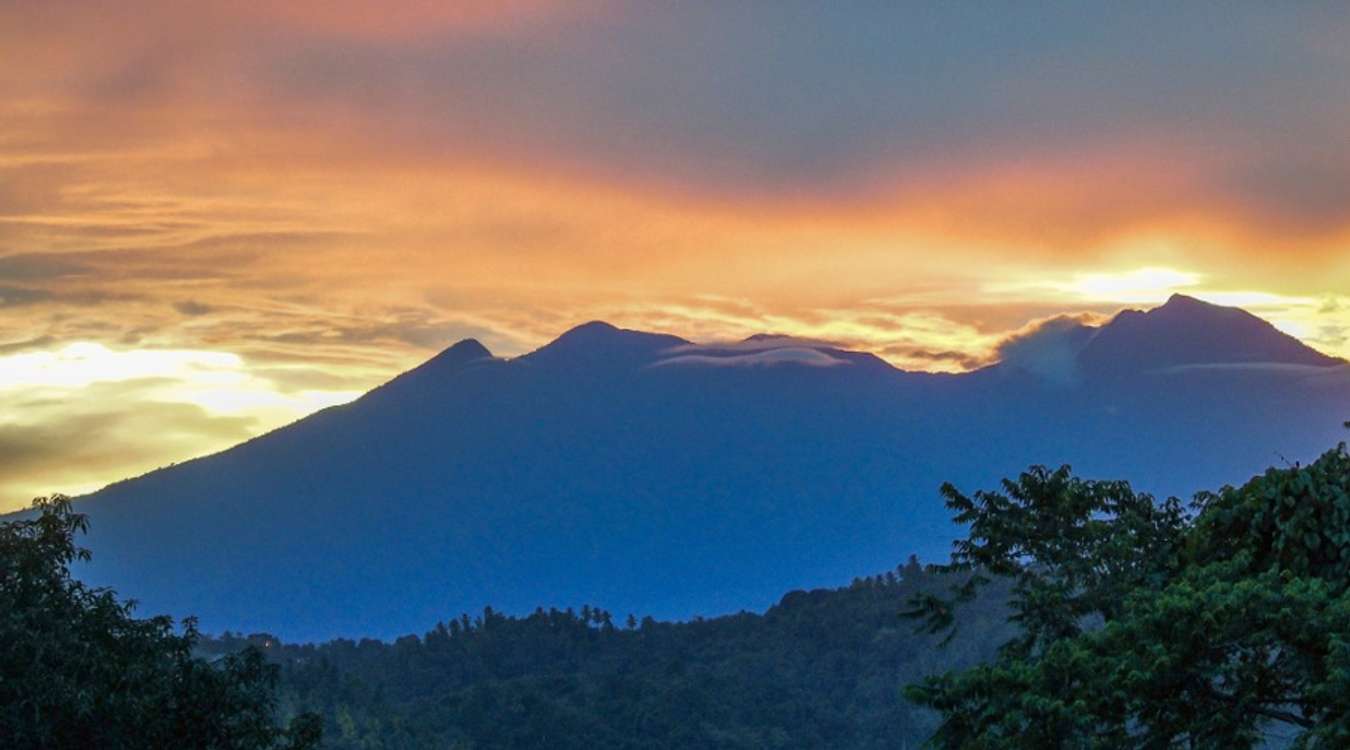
column 218, row 217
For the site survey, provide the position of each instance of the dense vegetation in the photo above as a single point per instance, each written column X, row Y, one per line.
column 78, row 671
column 1076, row 614
column 822, row 669
column 1145, row 625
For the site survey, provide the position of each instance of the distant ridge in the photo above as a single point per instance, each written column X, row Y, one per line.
column 599, row 342
column 1188, row 331
column 462, row 353
column 441, row 367
column 586, row 471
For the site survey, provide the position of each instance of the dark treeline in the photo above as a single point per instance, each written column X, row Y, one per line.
column 821, row 669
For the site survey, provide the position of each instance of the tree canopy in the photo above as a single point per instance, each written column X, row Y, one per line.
column 1146, row 624
column 77, row 670
column 821, row 669
column 1125, row 622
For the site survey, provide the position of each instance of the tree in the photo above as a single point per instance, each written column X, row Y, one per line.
column 1144, row 625
column 77, row 670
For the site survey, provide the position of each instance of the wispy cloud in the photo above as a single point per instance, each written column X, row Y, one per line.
column 794, row 355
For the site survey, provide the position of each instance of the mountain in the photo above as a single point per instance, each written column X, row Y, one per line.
column 1187, row 331
column 644, row 473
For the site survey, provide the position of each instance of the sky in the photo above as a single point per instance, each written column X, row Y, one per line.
column 219, row 216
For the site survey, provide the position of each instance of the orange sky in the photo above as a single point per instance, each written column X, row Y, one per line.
column 216, row 217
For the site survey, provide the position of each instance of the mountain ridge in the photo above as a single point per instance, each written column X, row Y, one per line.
column 1193, row 315
column 1198, row 331
column 584, row 472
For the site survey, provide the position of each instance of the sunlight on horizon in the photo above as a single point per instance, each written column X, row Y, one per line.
column 218, row 382
column 175, row 404
column 127, row 411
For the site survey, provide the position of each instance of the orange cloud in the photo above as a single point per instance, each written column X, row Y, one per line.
column 330, row 191
column 364, row 18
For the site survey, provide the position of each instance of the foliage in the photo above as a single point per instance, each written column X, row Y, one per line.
column 78, row 671
column 822, row 669
column 1125, row 622
column 1145, row 626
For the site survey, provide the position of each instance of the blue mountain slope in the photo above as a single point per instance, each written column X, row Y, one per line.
column 643, row 473
column 1186, row 331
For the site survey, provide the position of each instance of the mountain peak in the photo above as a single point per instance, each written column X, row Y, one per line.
column 1190, row 331
column 465, row 350
column 453, row 359
column 578, row 473
column 598, row 341
column 432, row 373
column 590, row 331
column 1185, row 301
column 1185, row 305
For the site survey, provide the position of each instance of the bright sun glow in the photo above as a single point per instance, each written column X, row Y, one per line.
column 218, row 382
column 1143, row 285
column 1321, row 322
column 1131, row 287
column 96, row 413
column 84, row 363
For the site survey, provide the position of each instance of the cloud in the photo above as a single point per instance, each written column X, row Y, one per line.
column 952, row 359
column 12, row 347
column 39, row 267
column 192, row 308
column 348, row 187
column 762, row 358
column 1048, row 348
column 421, row 328
column 11, row 296
column 1332, row 337
column 757, row 343
column 1302, row 192
column 114, row 430
column 310, row 376
column 196, row 261
column 77, row 416
column 861, row 92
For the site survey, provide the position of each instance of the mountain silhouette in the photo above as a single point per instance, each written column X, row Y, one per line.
column 645, row 473
column 441, row 367
column 1186, row 331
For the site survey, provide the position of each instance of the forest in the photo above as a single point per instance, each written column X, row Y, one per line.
column 1074, row 613
column 821, row 669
